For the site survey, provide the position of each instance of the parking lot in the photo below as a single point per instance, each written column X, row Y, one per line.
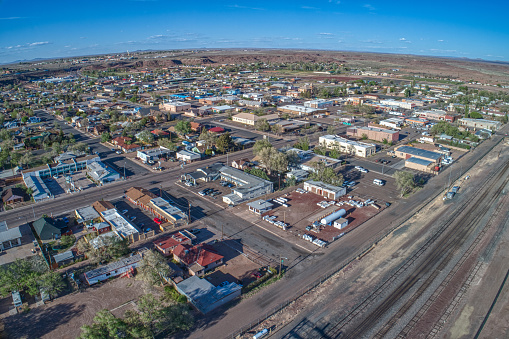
column 68, row 183
column 143, row 220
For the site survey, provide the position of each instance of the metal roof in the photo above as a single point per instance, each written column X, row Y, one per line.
column 419, row 152
column 113, row 266
column 419, row 161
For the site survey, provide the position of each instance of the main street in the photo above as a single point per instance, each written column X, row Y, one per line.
column 70, row 202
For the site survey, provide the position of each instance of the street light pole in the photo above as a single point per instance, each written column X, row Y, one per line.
column 280, row 265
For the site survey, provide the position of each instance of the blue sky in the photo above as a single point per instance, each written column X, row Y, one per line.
column 43, row 29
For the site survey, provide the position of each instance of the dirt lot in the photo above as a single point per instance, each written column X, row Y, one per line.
column 303, row 211
column 63, row 317
column 236, row 268
column 60, row 186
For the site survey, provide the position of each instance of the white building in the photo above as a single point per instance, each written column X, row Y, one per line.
column 101, row 174
column 113, row 270
column 153, row 154
column 251, row 119
column 188, row 156
column 118, row 223
column 176, row 106
column 319, row 103
column 299, row 110
column 394, row 123
column 357, row 148
column 325, row 190
column 247, row 186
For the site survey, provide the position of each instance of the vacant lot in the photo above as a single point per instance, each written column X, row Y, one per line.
column 63, row 317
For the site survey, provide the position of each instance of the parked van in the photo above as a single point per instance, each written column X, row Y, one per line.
column 378, row 182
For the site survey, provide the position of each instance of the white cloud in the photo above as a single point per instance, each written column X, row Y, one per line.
column 13, row 18
column 38, row 43
column 325, row 33
column 246, row 7
column 402, row 39
column 309, row 7
column 369, row 7
column 440, row 40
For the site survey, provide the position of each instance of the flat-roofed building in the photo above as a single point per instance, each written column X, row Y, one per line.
column 251, row 119
column 373, row 133
column 419, row 164
column 260, row 206
column 247, row 186
column 480, row 123
column 176, row 106
column 319, row 103
column 113, row 269
column 299, row 110
column 119, row 224
column 357, row 148
column 167, row 212
column 407, row 152
column 9, row 237
column 86, row 215
column 394, row 123
column 325, row 190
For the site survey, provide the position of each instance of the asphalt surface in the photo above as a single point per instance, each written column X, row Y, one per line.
column 223, row 322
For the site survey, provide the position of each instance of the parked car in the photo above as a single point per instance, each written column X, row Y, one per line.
column 133, row 218
column 124, row 211
column 158, row 221
column 118, row 152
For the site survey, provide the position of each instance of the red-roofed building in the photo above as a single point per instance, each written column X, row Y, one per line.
column 122, row 143
column 159, row 133
column 198, row 259
column 167, row 245
column 217, row 129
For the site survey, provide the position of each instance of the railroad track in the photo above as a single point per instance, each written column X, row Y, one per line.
column 446, row 248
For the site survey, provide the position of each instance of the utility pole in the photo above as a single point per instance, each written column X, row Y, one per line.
column 124, row 170
column 189, row 208
column 33, row 211
column 280, row 265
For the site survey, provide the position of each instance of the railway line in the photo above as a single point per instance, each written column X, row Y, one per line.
column 444, row 245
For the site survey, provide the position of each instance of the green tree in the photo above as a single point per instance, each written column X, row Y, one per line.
column 210, row 138
column 331, row 130
column 105, row 137
column 24, row 119
column 153, row 268
column 105, row 326
column 224, row 142
column 168, row 144
column 262, row 125
column 261, row 144
column 183, row 127
column 146, row 137
column 321, row 172
column 302, row 143
column 405, row 182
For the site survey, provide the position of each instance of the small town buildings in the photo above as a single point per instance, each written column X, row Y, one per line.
column 291, row 125
column 247, row 186
column 47, row 229
column 119, row 224
column 357, row 148
column 86, row 215
column 319, row 103
column 168, row 244
column 167, row 212
column 438, row 115
column 416, row 122
column 373, row 133
column 480, row 123
column 13, row 195
column 420, row 164
column 175, row 106
column 9, row 237
column 394, row 123
column 407, row 152
column 251, row 119
column 205, row 296
column 199, row 259
column 188, row 156
column 260, row 206
column 99, row 173
column 102, row 205
column 241, row 164
column 325, row 190
column 299, row 110
column 153, row 154
column 113, row 269
column 62, row 259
